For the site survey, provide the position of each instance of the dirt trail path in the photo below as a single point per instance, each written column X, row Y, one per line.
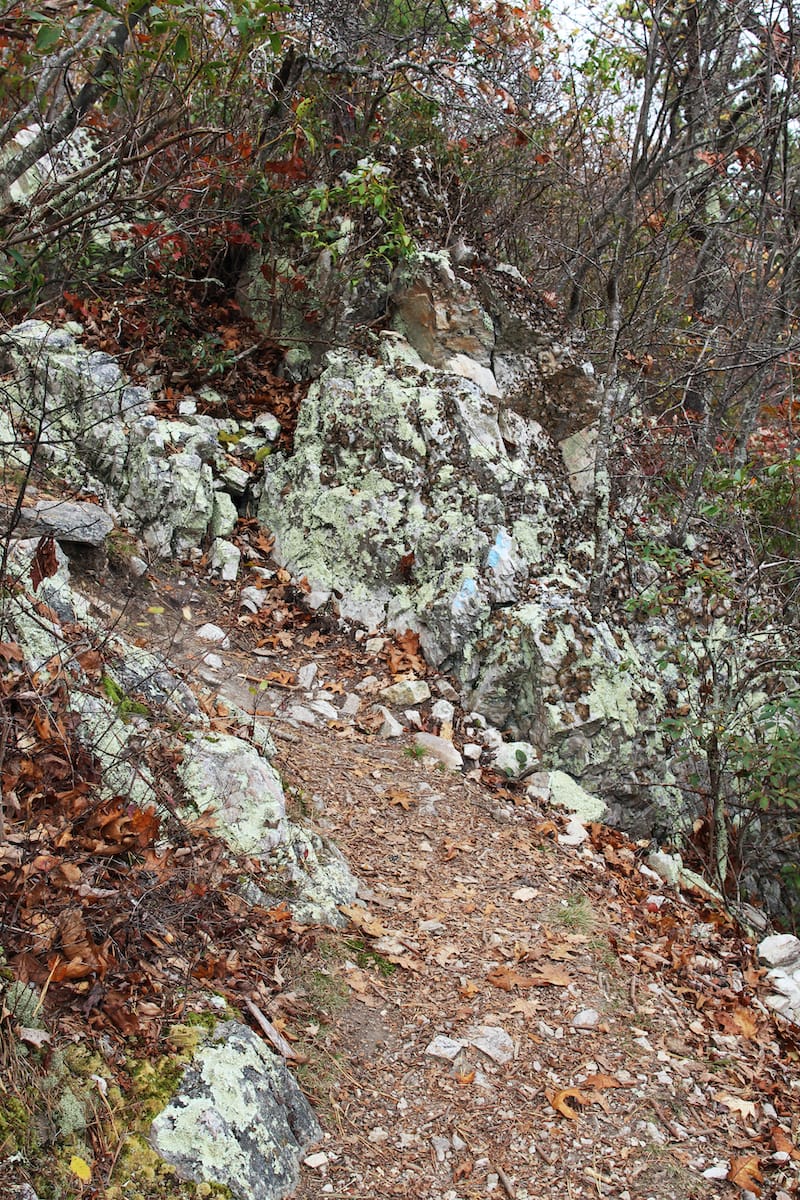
column 507, row 1015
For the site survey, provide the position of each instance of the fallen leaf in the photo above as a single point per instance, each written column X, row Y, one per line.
column 782, row 1142
column 401, row 799
column 598, row 1082
column 746, row 1174
column 464, row 1078
column 463, row 1170
column 81, row 1168
column 745, row 1108
column 739, row 1020
column 558, row 1100
column 528, row 1008
column 45, row 562
column 33, row 1037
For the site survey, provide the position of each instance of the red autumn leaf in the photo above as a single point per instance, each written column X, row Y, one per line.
column 45, row 563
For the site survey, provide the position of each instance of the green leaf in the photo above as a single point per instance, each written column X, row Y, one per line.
column 46, row 38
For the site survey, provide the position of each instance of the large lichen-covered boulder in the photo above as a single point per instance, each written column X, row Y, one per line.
column 225, row 774
column 579, row 691
column 412, row 499
column 238, row 1119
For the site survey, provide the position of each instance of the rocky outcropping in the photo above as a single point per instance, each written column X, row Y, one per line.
column 171, row 481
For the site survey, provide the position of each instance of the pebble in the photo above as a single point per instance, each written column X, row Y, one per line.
column 252, row 598
column 391, row 727
column 574, row 834
column 325, row 709
column 472, row 751
column 374, row 645
column 492, row 1041
column 441, row 1147
column 213, row 661
column 445, row 1047
column 440, row 749
column 445, row 689
column 213, row 633
column 316, row 1161
column 351, row 705
column 443, row 711
column 407, row 692
column 306, row 675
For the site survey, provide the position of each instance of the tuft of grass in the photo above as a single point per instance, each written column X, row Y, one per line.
column 574, row 913
column 415, row 752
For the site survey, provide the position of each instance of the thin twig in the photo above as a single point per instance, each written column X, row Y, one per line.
column 270, row 1032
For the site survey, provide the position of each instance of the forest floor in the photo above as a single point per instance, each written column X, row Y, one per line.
column 505, row 1014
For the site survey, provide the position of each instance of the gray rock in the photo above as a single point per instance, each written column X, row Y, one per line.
column 65, row 520
column 225, row 559
column 252, row 599
column 223, row 517
column 566, row 793
column 440, row 749
column 325, row 709
column 514, row 759
column 299, row 714
column 780, row 950
column 391, row 727
column 392, row 457
column 492, row 1041
column 587, row 1018
column 237, row 1119
column 443, row 711
column 213, row 633
column 228, row 776
column 319, row 874
column 306, row 675
column 445, row 1047
column 407, row 692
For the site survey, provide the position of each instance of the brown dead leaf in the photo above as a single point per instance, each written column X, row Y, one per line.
column 464, row 1078
column 782, row 1142
column 528, row 1008
column 281, row 678
column 746, row 1109
column 401, row 799
column 558, row 1100
column 507, row 979
column 45, row 562
column 599, row 1082
column 550, row 977
column 362, row 919
column 739, row 1021
column 463, row 1170
column 745, row 1172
